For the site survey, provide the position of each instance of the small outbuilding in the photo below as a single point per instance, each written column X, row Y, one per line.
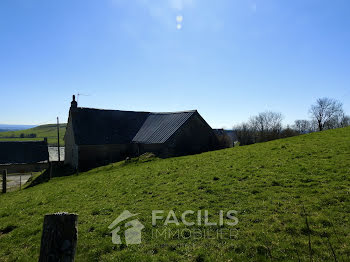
column 96, row 137
column 227, row 138
column 23, row 156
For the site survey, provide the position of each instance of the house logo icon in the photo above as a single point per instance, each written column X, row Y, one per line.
column 132, row 229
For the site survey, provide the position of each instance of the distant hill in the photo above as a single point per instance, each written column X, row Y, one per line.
column 292, row 196
column 4, row 127
column 36, row 133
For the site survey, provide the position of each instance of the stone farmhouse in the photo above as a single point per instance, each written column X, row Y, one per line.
column 96, row 137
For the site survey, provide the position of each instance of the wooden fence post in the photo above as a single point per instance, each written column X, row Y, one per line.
column 50, row 166
column 58, row 141
column 59, row 237
column 4, row 180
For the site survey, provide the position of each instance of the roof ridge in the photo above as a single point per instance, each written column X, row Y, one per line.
column 176, row 112
column 101, row 109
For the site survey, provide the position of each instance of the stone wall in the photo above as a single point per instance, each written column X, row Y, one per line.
column 97, row 155
column 24, row 168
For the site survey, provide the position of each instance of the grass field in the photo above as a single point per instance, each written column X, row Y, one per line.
column 49, row 131
column 292, row 197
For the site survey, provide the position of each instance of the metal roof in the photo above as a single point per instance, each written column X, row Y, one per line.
column 98, row 127
column 159, row 127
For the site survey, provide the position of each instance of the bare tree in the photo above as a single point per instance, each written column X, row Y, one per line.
column 288, row 132
column 302, row 126
column 268, row 125
column 325, row 111
column 245, row 134
column 344, row 121
column 340, row 120
column 313, row 126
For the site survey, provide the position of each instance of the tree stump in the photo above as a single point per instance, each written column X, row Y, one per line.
column 59, row 238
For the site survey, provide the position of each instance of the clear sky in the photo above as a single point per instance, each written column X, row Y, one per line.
column 229, row 59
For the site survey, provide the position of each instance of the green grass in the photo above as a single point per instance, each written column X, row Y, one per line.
column 49, row 131
column 269, row 184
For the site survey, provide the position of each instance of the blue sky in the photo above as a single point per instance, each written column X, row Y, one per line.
column 229, row 59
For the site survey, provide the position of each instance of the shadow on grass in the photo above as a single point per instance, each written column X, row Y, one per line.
column 58, row 170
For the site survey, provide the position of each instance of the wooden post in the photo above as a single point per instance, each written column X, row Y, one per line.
column 59, row 237
column 50, row 167
column 58, row 140
column 4, row 180
column 20, row 182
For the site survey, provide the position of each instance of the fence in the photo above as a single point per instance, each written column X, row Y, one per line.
column 11, row 182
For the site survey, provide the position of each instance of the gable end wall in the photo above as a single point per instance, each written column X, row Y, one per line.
column 71, row 150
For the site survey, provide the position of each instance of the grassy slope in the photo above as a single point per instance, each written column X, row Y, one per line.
column 268, row 183
column 49, row 131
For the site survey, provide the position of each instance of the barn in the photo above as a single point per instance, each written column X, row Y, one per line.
column 23, row 156
column 96, row 137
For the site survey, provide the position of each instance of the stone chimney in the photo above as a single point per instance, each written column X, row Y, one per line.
column 74, row 103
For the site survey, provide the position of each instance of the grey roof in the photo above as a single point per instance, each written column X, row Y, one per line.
column 159, row 127
column 18, row 152
column 97, row 126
